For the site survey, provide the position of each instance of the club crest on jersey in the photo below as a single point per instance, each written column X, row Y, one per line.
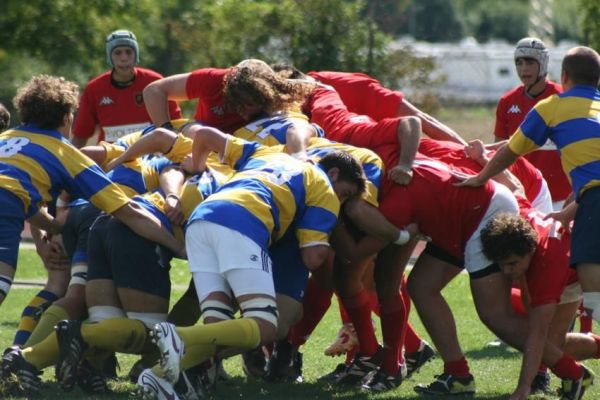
column 139, row 99
column 217, row 110
column 106, row 101
column 514, row 109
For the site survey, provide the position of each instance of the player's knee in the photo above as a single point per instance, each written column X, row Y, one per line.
column 591, row 304
column 264, row 311
column 101, row 313
column 5, row 285
column 215, row 310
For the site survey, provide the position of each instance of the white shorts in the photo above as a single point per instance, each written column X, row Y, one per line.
column 558, row 205
column 215, row 248
column 571, row 294
column 543, row 200
column 502, row 201
column 235, row 282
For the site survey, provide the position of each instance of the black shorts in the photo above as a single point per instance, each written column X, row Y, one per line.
column 115, row 252
column 585, row 238
column 76, row 231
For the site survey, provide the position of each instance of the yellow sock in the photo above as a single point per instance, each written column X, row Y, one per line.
column 121, row 335
column 43, row 354
column 242, row 332
column 45, row 326
column 197, row 354
column 31, row 314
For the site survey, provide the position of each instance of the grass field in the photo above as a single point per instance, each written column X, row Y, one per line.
column 495, row 369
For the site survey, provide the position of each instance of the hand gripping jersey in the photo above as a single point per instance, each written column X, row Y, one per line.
column 118, row 110
column 36, row 164
column 270, row 191
column 572, row 121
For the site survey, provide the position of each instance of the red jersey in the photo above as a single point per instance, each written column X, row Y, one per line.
column 444, row 212
column 454, row 154
column 206, row 85
column 511, row 110
column 362, row 94
column 326, row 109
column 118, row 110
column 548, row 273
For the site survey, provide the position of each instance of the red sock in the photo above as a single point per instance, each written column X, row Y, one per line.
column 567, row 368
column 350, row 355
column 459, row 368
column 585, row 320
column 374, row 303
column 412, row 341
column 343, row 313
column 392, row 328
column 359, row 311
column 597, row 340
column 316, row 302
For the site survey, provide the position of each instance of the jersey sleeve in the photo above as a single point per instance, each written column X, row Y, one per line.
column 547, row 282
column 239, row 151
column 86, row 119
column 500, row 130
column 320, row 213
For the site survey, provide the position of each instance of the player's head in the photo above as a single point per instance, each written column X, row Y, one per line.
column 252, row 87
column 509, row 240
column 4, row 118
column 47, row 101
column 288, row 71
column 345, row 173
column 582, row 66
column 121, row 38
column 530, row 48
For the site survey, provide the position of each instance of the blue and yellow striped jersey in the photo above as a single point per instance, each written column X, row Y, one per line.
column 572, row 121
column 270, row 191
column 36, row 164
column 139, row 176
column 271, row 131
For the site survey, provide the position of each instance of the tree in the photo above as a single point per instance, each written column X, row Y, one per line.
column 590, row 9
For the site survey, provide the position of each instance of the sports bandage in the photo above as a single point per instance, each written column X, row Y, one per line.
column 5, row 284
column 403, row 238
column 591, row 303
column 260, row 307
column 100, row 313
column 78, row 274
column 216, row 309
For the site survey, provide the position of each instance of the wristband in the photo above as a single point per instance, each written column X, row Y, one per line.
column 403, row 238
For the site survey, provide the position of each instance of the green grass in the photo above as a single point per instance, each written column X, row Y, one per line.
column 496, row 370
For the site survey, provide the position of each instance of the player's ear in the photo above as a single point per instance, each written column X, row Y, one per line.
column 333, row 173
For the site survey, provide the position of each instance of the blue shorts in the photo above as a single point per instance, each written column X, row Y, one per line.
column 290, row 276
column 76, row 231
column 117, row 253
column 585, row 238
column 12, row 221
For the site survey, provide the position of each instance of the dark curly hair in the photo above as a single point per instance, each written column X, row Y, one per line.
column 508, row 234
column 257, row 84
column 350, row 169
column 45, row 101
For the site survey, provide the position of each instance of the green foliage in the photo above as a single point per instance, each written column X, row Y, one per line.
column 590, row 9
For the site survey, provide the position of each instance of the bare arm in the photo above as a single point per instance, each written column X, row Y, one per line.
column 148, row 226
column 96, row 153
column 477, row 151
column 158, row 141
column 297, row 137
column 158, row 93
column 46, row 222
column 171, row 181
column 409, row 135
column 539, row 320
column 503, row 158
column 207, row 140
column 431, row 126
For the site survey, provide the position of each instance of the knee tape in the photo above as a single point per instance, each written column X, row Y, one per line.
column 216, row 309
column 262, row 308
column 5, row 284
column 591, row 303
column 78, row 274
column 101, row 313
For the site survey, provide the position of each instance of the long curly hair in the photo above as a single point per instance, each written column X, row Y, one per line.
column 256, row 84
column 45, row 101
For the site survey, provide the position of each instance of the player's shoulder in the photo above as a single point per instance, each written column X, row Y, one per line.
column 146, row 73
column 100, row 80
column 513, row 93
